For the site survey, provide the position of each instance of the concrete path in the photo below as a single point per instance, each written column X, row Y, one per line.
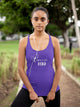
column 70, row 92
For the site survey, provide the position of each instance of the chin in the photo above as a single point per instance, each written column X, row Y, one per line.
column 39, row 30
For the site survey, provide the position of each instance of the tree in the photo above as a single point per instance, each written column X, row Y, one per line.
column 76, row 20
column 60, row 11
column 19, row 13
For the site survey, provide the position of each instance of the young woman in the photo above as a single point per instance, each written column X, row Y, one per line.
column 40, row 79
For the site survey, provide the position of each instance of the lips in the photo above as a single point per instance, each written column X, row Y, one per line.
column 38, row 26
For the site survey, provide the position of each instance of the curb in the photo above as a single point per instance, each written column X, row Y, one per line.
column 70, row 75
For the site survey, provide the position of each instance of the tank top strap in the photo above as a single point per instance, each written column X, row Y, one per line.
column 28, row 38
column 49, row 36
column 50, row 40
column 27, row 46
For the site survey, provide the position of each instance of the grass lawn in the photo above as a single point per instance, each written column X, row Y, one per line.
column 66, row 63
column 7, row 50
column 79, row 78
column 9, row 46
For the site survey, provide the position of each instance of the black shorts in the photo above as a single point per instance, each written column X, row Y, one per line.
column 23, row 100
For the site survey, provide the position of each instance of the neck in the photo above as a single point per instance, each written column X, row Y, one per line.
column 39, row 34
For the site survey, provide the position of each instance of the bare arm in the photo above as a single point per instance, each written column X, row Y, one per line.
column 21, row 64
column 57, row 56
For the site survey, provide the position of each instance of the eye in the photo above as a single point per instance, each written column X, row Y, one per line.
column 36, row 19
column 43, row 19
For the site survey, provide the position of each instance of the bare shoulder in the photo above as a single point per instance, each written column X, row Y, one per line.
column 55, row 41
column 23, row 41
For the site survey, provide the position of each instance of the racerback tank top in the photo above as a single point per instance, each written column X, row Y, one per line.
column 40, row 72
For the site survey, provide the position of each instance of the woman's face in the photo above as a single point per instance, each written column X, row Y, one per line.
column 39, row 20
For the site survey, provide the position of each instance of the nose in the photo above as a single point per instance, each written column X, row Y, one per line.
column 39, row 21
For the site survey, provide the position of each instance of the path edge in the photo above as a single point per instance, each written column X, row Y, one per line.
column 70, row 75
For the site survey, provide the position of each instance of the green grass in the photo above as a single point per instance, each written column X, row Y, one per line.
column 79, row 78
column 63, row 49
column 9, row 46
column 9, row 99
column 8, row 50
column 67, row 63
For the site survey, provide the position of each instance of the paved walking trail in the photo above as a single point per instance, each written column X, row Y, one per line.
column 70, row 92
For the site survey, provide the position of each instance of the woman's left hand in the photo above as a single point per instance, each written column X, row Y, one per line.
column 50, row 96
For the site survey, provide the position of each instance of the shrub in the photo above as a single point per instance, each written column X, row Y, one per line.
column 3, row 37
column 76, row 66
column 8, row 67
column 15, row 69
column 64, row 52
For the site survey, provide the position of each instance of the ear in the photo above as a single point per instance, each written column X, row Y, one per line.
column 48, row 21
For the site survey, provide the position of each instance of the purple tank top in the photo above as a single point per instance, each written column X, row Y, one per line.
column 40, row 71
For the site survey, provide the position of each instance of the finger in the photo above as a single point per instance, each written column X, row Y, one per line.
column 47, row 100
column 37, row 100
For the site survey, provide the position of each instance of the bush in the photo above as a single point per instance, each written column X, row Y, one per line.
column 50, row 28
column 76, row 66
column 64, row 52
column 3, row 37
column 8, row 67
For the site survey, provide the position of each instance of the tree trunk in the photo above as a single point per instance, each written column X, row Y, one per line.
column 66, row 39
column 76, row 20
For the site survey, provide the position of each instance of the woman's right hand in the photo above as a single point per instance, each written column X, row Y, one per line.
column 33, row 96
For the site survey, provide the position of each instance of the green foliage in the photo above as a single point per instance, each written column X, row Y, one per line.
column 67, row 23
column 76, row 66
column 17, row 16
column 53, row 29
column 3, row 37
column 67, row 63
column 9, row 60
column 64, row 51
column 18, row 13
column 27, row 1
column 62, row 47
column 8, row 67
column 1, row 24
column 6, row 29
